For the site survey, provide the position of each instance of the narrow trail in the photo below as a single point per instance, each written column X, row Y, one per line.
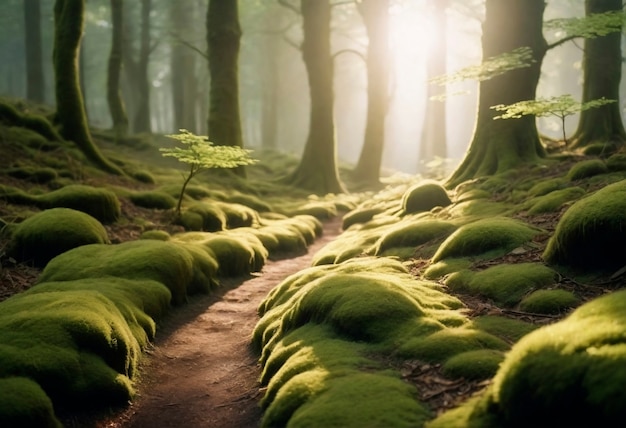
column 201, row 370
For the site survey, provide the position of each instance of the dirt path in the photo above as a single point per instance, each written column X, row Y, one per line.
column 201, row 371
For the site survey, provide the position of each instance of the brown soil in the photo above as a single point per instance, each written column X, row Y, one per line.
column 201, row 370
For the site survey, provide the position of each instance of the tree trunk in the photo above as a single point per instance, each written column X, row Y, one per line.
column 114, row 98
column 70, row 114
column 375, row 14
column 223, row 37
column 317, row 170
column 183, row 67
column 602, row 72
column 499, row 145
column 141, row 122
column 434, row 141
column 35, row 83
column 271, row 79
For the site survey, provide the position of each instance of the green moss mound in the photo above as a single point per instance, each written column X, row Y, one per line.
column 424, row 197
column 51, row 232
column 360, row 215
column 33, row 174
column 250, row 201
column 101, row 204
column 474, row 365
column 492, row 237
column 182, row 269
column 510, row 330
column 586, row 169
column 544, row 187
column 617, row 162
column 553, row 201
column 549, row 301
column 591, row 235
column 444, row 267
column 159, row 235
column 204, row 216
column 153, row 199
column 143, row 176
column 570, row 373
column 413, row 234
column 238, row 215
column 24, row 404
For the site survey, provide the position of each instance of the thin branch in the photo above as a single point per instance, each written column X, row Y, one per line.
column 342, row 51
column 292, row 43
column 285, row 3
column 190, row 46
column 560, row 42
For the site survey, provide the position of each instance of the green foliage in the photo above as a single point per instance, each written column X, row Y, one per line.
column 560, row 107
column 590, row 26
column 549, row 301
column 49, row 233
column 200, row 154
column 24, row 403
column 491, row 67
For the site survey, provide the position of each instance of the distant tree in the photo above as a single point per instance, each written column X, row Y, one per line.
column 433, row 144
column 35, row 84
column 317, row 170
column 223, row 39
column 602, row 72
column 498, row 145
column 114, row 98
column 70, row 113
column 375, row 14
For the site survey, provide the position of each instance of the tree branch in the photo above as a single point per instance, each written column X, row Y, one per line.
column 560, row 42
column 190, row 46
column 285, row 3
column 342, row 51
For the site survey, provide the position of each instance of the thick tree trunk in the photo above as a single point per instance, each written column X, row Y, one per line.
column 183, row 67
column 70, row 114
column 375, row 15
column 141, row 122
column 114, row 98
column 498, row 145
column 271, row 79
column 35, row 84
column 433, row 143
column 223, row 37
column 317, row 170
column 602, row 72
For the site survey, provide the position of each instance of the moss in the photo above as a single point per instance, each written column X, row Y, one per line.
column 553, row 201
column 444, row 344
column 144, row 176
column 592, row 232
column 424, row 197
column 360, row 215
column 204, row 216
column 586, row 169
column 474, row 365
column 321, row 210
column 24, row 404
column 549, row 301
column 159, row 235
column 153, row 199
column 488, row 237
column 238, row 215
column 101, row 204
column 33, row 174
column 570, row 373
column 413, row 234
column 52, row 232
column 544, row 187
column 178, row 268
column 472, row 194
column 600, row 149
column 250, row 201
column 617, row 162
column 478, row 208
column 510, row 330
column 444, row 267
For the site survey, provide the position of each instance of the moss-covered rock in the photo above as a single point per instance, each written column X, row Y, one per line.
column 586, row 169
column 553, row 201
column 413, row 234
column 592, row 232
column 153, row 199
column 250, row 201
column 49, row 233
column 508, row 329
column 360, row 215
column 24, row 404
column 549, row 301
column 424, row 197
column 487, row 237
column 99, row 203
column 617, row 162
column 33, row 174
column 238, row 215
column 159, row 235
column 474, row 365
column 543, row 187
column 143, row 176
column 204, row 216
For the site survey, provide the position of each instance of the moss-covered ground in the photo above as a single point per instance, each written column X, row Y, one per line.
column 505, row 287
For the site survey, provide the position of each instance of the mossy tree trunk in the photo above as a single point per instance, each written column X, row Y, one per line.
column 223, row 38
column 70, row 114
column 498, row 145
column 142, row 115
column 434, row 141
column 35, row 83
column 183, row 67
column 317, row 170
column 602, row 72
column 114, row 98
column 375, row 14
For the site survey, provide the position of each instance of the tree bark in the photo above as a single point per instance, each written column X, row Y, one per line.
column 602, row 72
column 499, row 145
column 183, row 67
column 70, row 114
column 142, row 115
column 434, row 141
column 375, row 14
column 114, row 98
column 317, row 170
column 35, row 83
column 223, row 38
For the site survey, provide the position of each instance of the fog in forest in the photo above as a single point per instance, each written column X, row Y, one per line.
column 272, row 71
